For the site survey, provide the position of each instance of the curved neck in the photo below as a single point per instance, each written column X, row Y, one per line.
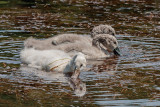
column 97, row 45
column 70, row 67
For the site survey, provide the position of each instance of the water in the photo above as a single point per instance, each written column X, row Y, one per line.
column 130, row 80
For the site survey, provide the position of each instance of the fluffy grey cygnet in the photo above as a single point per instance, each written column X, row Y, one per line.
column 102, row 40
column 92, row 48
column 102, row 29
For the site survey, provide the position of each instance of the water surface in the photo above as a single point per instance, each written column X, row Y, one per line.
column 130, row 80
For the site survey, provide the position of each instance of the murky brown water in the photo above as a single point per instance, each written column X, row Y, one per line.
column 130, row 80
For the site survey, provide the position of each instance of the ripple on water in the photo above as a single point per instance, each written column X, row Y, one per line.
column 128, row 103
column 117, row 82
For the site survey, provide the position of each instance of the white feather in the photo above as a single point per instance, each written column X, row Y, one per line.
column 55, row 60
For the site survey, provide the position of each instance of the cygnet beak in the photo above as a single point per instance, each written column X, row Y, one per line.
column 76, row 73
column 116, row 51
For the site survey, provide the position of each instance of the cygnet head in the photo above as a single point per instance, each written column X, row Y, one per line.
column 77, row 63
column 102, row 29
column 108, row 41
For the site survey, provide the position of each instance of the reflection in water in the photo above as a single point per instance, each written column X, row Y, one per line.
column 77, row 85
column 108, row 65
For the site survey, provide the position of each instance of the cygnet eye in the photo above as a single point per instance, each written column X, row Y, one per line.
column 102, row 40
column 113, row 34
column 115, row 42
column 81, row 65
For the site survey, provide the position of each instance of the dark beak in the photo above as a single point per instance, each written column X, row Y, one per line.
column 116, row 51
column 54, row 42
column 76, row 73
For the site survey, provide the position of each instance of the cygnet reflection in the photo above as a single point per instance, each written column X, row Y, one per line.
column 78, row 87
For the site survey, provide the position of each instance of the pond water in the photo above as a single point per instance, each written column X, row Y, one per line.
column 132, row 79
